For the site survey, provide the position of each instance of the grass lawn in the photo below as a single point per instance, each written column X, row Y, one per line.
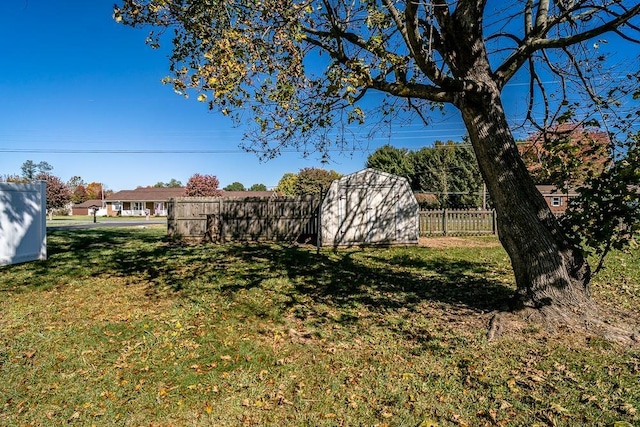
column 73, row 219
column 123, row 327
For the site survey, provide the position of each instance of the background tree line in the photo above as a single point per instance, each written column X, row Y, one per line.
column 447, row 175
column 443, row 176
column 308, row 181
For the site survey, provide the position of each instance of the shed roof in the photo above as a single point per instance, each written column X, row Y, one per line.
column 361, row 176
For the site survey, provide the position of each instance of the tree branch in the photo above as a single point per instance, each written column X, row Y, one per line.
column 414, row 90
column 541, row 16
column 537, row 41
column 409, row 30
column 534, row 82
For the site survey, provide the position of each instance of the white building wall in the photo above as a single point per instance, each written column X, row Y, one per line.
column 23, row 229
column 369, row 207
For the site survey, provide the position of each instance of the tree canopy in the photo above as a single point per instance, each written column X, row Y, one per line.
column 302, row 67
column 606, row 213
column 447, row 172
column 306, row 70
column 57, row 192
column 397, row 161
column 258, row 187
column 451, row 172
column 202, row 186
column 235, row 186
column 314, row 181
column 173, row 183
column 287, row 184
column 96, row 190
column 31, row 170
column 77, row 188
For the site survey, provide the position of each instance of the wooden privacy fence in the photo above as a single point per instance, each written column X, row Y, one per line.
column 219, row 219
column 457, row 222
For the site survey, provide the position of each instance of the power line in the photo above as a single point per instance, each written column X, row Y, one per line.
column 132, row 151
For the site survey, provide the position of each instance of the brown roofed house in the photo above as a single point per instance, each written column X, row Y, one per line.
column 87, row 207
column 142, row 201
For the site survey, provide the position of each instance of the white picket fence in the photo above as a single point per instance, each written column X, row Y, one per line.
column 450, row 222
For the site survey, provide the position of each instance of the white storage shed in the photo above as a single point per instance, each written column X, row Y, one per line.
column 369, row 207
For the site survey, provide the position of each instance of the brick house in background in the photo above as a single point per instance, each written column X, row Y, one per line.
column 557, row 199
column 570, row 143
column 588, row 146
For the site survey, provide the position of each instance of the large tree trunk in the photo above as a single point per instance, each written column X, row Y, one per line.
column 551, row 273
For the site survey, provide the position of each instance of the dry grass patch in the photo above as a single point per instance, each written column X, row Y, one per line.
column 459, row 242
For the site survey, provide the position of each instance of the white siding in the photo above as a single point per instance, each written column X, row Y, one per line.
column 367, row 208
column 23, row 229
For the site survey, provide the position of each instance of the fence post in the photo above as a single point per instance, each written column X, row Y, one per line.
column 495, row 221
column 444, row 222
column 268, row 220
column 221, row 225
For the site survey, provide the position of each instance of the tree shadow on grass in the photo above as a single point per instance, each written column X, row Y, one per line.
column 81, row 254
column 379, row 279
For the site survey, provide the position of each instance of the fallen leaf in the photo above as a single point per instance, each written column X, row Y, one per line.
column 559, row 409
column 505, row 405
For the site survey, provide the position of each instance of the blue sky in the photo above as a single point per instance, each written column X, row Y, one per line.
column 74, row 80
column 83, row 93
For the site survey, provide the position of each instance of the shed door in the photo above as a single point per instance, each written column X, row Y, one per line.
column 381, row 212
column 369, row 215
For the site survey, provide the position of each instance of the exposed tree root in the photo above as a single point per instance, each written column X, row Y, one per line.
column 560, row 319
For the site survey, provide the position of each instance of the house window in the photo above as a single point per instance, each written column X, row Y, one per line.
column 556, row 201
column 138, row 206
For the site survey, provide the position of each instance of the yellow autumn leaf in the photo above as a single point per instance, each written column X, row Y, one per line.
column 559, row 409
